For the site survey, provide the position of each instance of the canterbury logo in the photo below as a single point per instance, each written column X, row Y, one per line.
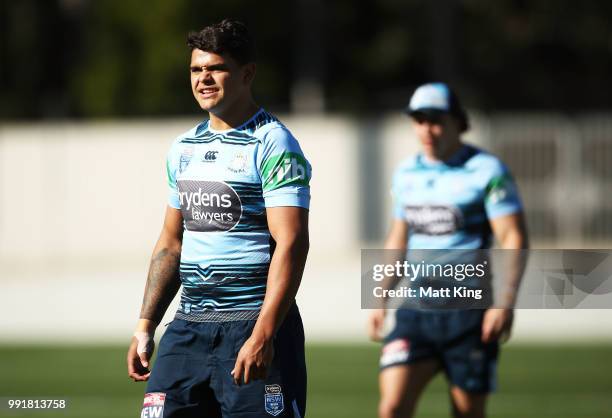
column 210, row 155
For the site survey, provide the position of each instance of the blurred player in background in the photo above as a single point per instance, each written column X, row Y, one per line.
column 235, row 235
column 429, row 213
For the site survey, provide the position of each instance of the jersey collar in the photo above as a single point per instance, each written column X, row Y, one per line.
column 457, row 159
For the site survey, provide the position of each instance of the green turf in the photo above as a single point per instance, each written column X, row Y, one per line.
column 535, row 381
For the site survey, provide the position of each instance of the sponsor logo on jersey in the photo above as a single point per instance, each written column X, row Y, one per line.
column 394, row 352
column 433, row 219
column 210, row 156
column 499, row 189
column 273, row 400
column 153, row 406
column 209, row 206
column 286, row 169
column 238, row 164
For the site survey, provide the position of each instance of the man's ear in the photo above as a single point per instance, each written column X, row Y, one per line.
column 248, row 74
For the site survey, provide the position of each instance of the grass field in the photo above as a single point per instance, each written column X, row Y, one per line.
column 535, row 381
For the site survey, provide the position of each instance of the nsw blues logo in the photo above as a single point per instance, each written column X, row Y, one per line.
column 186, row 157
column 274, row 400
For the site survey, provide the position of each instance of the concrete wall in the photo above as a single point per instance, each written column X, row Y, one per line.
column 82, row 205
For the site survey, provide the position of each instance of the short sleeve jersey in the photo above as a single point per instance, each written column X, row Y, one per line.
column 448, row 204
column 222, row 182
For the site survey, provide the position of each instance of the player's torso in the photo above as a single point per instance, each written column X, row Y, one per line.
column 444, row 205
column 226, row 242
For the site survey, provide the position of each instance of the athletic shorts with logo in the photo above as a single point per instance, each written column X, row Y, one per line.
column 452, row 337
column 191, row 376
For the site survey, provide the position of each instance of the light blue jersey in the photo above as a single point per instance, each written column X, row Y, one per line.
column 448, row 205
column 223, row 181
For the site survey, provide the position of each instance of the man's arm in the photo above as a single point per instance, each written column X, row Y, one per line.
column 398, row 236
column 511, row 233
column 289, row 229
column 396, row 240
column 162, row 284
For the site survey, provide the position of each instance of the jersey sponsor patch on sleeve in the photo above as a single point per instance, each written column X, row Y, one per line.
column 286, row 169
column 499, row 189
column 153, row 405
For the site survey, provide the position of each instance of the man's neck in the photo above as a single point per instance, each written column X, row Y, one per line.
column 234, row 118
column 447, row 153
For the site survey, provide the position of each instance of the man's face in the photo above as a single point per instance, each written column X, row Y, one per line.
column 437, row 133
column 218, row 81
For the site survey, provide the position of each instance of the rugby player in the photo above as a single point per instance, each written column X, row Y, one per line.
column 451, row 195
column 235, row 235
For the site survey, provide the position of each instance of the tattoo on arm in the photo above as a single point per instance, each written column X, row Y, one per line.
column 162, row 284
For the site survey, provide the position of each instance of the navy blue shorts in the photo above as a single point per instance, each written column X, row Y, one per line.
column 191, row 376
column 453, row 338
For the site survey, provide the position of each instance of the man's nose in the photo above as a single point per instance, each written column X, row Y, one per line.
column 206, row 77
column 428, row 126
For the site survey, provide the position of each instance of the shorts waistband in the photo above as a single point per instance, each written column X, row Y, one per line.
column 227, row 316
column 219, row 316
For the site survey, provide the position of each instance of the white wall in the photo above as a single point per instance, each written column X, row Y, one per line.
column 82, row 204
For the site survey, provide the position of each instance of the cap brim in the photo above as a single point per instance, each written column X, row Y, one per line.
column 426, row 112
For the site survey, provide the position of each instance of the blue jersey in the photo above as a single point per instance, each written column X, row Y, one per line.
column 223, row 181
column 448, row 204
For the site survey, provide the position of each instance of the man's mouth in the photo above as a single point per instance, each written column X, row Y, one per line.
column 207, row 92
column 428, row 142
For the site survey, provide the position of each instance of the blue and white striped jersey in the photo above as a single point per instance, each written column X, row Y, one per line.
column 448, row 204
column 223, row 181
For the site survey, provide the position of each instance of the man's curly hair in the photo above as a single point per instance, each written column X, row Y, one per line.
column 228, row 36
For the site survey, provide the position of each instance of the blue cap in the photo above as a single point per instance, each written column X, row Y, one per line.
column 435, row 99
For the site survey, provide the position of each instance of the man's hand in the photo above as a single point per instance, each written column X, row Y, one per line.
column 376, row 322
column 138, row 356
column 496, row 324
column 254, row 360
